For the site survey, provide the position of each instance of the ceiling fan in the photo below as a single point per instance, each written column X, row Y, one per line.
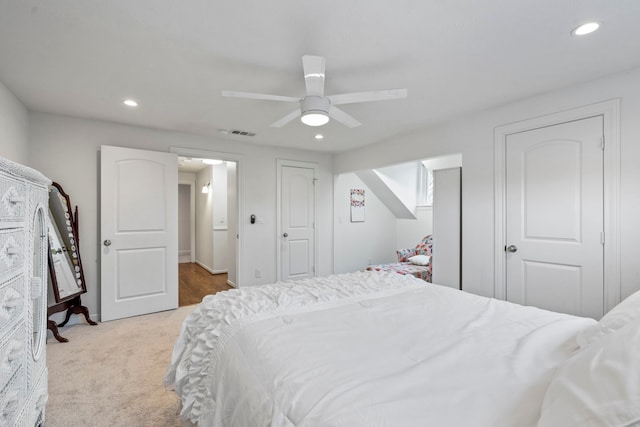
column 315, row 108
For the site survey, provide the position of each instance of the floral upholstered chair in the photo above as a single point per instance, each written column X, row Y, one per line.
column 415, row 261
column 424, row 247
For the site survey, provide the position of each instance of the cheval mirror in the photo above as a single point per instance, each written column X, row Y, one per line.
column 66, row 283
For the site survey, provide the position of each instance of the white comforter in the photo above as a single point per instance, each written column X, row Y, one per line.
column 366, row 349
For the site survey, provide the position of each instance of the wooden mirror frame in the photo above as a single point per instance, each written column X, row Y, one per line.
column 72, row 227
column 71, row 302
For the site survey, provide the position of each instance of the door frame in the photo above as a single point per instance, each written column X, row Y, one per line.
column 192, row 216
column 232, row 157
column 280, row 163
column 610, row 110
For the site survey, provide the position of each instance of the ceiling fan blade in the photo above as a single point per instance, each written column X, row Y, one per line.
column 286, row 119
column 314, row 74
column 342, row 117
column 377, row 95
column 251, row 95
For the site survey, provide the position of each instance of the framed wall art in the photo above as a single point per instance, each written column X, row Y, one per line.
column 357, row 205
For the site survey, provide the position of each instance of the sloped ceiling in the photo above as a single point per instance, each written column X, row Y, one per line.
column 390, row 198
column 82, row 58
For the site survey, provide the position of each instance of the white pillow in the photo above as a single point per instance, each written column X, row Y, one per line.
column 623, row 313
column 420, row 259
column 598, row 385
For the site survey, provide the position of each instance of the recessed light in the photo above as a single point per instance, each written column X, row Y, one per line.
column 130, row 103
column 587, row 28
column 319, row 136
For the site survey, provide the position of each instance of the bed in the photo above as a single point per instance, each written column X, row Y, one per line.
column 382, row 349
column 413, row 261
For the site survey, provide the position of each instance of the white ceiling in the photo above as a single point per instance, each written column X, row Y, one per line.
column 82, row 58
column 189, row 164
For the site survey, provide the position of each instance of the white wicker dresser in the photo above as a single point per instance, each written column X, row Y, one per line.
column 24, row 196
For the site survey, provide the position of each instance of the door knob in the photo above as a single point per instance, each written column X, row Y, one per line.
column 512, row 248
column 285, row 235
column 107, row 242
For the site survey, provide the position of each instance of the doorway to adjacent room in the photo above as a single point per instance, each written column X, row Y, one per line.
column 207, row 227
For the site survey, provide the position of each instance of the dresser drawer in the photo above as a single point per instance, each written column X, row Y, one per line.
column 13, row 199
column 12, row 355
column 12, row 398
column 11, row 304
column 11, row 251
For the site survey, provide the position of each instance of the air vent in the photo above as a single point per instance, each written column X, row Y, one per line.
column 236, row 132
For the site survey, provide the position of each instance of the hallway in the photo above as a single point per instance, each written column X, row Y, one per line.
column 195, row 283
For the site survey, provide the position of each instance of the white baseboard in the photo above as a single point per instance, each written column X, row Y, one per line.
column 184, row 256
column 211, row 270
column 206, row 267
column 230, row 283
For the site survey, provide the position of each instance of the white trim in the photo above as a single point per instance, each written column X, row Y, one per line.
column 294, row 163
column 233, row 157
column 211, row 270
column 220, row 155
column 206, row 267
column 610, row 111
column 184, row 256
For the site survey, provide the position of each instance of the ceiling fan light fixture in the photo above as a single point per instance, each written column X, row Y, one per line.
column 315, row 110
column 314, row 118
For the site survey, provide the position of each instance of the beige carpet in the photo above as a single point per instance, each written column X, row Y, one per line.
column 111, row 374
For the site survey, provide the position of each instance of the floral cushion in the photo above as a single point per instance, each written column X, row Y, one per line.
column 425, row 247
column 405, row 254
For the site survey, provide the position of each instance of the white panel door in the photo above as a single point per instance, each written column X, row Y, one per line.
column 297, row 248
column 554, row 190
column 139, row 232
column 447, row 211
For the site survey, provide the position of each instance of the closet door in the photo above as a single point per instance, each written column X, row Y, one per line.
column 554, row 245
column 447, row 235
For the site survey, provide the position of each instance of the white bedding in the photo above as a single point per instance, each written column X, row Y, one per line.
column 366, row 349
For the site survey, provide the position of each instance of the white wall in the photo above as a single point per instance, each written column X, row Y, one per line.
column 188, row 179
column 204, row 220
column 359, row 244
column 220, row 218
column 473, row 136
column 446, row 227
column 411, row 231
column 13, row 128
column 67, row 150
column 184, row 220
column 232, row 212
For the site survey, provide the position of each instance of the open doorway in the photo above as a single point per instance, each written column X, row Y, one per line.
column 401, row 207
column 207, row 229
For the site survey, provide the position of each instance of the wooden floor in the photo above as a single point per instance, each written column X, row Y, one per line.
column 195, row 283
